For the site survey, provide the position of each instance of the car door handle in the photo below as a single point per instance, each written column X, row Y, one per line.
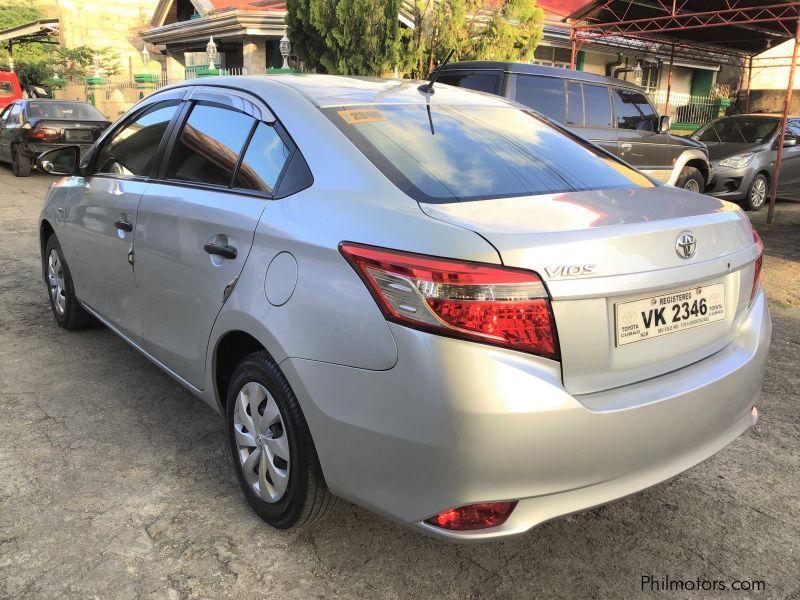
column 626, row 147
column 222, row 250
column 123, row 225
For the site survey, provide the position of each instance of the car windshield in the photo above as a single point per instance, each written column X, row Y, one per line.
column 70, row 111
column 458, row 153
column 737, row 130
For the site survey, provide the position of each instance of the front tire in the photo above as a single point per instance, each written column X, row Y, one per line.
column 271, row 447
column 67, row 310
column 692, row 180
column 757, row 193
column 20, row 164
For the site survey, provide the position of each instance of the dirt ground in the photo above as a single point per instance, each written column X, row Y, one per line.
column 115, row 482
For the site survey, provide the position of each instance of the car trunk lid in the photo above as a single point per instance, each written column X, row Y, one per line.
column 599, row 249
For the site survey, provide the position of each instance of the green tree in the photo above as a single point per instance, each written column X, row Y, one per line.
column 84, row 61
column 29, row 58
column 475, row 29
column 354, row 37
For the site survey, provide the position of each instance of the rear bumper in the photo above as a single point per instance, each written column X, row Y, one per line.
column 456, row 423
column 34, row 150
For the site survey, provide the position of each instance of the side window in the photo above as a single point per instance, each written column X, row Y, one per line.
column 481, row 82
column 130, row 150
column 263, row 161
column 793, row 128
column 597, row 106
column 209, row 145
column 574, row 103
column 15, row 114
column 544, row 94
column 5, row 112
column 634, row 111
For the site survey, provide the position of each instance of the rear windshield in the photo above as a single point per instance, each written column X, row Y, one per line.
column 458, row 153
column 740, row 131
column 71, row 111
column 5, row 88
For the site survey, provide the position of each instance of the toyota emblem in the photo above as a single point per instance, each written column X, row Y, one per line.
column 686, row 246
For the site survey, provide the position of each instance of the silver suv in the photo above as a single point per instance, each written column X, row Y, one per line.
column 433, row 304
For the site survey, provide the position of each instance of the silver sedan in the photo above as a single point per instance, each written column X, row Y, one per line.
column 432, row 303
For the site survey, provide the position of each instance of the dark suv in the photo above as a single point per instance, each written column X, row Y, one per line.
column 609, row 112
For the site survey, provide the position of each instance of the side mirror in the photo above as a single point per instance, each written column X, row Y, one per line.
column 789, row 142
column 665, row 124
column 61, row 161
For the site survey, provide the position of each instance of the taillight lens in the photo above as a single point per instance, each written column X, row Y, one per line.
column 42, row 133
column 757, row 272
column 474, row 516
column 495, row 305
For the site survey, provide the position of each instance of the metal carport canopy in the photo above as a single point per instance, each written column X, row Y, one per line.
column 730, row 31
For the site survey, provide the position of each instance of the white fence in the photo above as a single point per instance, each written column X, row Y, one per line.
column 116, row 96
column 685, row 108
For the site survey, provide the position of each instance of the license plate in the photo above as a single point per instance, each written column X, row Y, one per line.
column 78, row 135
column 669, row 313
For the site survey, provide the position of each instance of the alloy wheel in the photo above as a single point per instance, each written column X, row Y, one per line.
column 261, row 441
column 758, row 193
column 55, row 281
column 692, row 186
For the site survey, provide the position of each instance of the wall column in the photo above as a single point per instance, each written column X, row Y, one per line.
column 175, row 67
column 254, row 55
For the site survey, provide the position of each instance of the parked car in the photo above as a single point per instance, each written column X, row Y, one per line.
column 10, row 88
column 744, row 151
column 439, row 306
column 612, row 113
column 30, row 127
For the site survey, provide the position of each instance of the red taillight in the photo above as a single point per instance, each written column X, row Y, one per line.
column 757, row 266
column 474, row 516
column 42, row 133
column 478, row 302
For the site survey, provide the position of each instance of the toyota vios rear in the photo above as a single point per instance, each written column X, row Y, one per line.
column 456, row 314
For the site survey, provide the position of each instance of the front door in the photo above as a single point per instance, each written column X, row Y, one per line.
column 640, row 142
column 193, row 235
column 100, row 219
column 598, row 118
column 789, row 183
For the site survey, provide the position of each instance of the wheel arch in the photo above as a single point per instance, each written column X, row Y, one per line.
column 45, row 231
column 700, row 165
column 231, row 348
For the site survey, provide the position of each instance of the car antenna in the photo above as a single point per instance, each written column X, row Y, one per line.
column 427, row 88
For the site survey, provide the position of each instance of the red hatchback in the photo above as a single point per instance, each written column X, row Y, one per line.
column 10, row 88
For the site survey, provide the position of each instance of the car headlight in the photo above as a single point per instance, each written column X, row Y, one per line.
column 737, row 161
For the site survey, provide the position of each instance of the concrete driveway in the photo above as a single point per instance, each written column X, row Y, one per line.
column 116, row 483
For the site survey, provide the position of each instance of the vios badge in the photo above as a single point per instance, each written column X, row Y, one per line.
column 686, row 246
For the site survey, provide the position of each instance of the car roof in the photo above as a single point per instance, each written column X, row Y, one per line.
column 337, row 90
column 529, row 69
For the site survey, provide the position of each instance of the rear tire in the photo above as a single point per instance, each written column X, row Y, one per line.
column 20, row 164
column 691, row 179
column 273, row 453
column 67, row 310
column 757, row 193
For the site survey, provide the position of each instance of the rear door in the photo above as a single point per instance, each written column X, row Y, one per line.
column 196, row 224
column 640, row 142
column 13, row 121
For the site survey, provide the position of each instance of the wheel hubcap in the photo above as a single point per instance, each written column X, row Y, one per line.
column 758, row 193
column 55, row 281
column 692, row 186
column 261, row 442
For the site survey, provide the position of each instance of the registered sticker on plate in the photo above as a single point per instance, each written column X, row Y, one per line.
column 652, row 317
